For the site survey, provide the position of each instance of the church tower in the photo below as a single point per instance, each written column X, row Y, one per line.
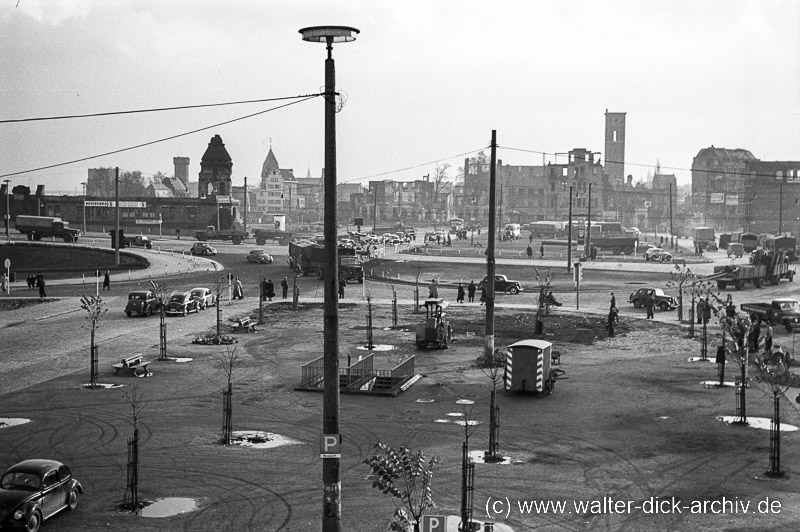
column 216, row 168
column 614, row 156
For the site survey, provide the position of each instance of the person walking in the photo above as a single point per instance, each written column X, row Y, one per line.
column 541, row 249
column 238, row 293
column 529, row 251
column 483, row 294
column 613, row 318
column 433, row 289
column 107, row 281
column 460, row 293
column 342, row 285
column 613, row 301
column 755, row 334
column 700, row 310
column 651, row 304
column 269, row 291
column 471, row 291
column 285, row 287
column 40, row 284
column 768, row 339
column 4, row 283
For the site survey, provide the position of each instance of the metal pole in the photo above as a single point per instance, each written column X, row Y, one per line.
column 332, row 486
column 588, row 243
column 780, row 210
column 671, row 231
column 116, row 195
column 84, row 208
column 245, row 204
column 569, row 234
column 375, row 209
column 8, row 211
column 489, row 339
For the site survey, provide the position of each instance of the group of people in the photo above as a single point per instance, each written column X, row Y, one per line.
column 461, row 292
column 529, row 251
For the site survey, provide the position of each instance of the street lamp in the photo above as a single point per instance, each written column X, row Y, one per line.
column 8, row 208
column 84, row 207
column 332, row 486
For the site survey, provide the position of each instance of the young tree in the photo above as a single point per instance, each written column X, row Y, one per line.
column 162, row 296
column 407, row 476
column 417, row 269
column 229, row 360
column 131, row 499
column 492, row 369
column 95, row 307
column 681, row 277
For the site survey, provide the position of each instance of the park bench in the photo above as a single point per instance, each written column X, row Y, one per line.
column 244, row 325
column 134, row 366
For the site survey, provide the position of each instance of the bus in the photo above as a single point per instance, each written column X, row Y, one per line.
column 546, row 229
column 456, row 224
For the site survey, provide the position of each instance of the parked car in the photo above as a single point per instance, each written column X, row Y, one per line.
column 502, row 284
column 181, row 303
column 663, row 301
column 657, row 254
column 259, row 256
column 204, row 297
column 203, row 249
column 142, row 302
column 34, row 490
column 138, row 241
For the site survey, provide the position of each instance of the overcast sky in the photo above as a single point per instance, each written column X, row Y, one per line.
column 426, row 81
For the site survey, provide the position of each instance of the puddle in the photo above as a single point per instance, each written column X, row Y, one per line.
column 103, row 386
column 6, row 422
column 169, row 506
column 377, row 347
column 465, row 402
column 258, row 439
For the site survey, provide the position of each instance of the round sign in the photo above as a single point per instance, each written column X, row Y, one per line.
column 8, row 263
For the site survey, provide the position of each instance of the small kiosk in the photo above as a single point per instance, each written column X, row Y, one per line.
column 528, row 367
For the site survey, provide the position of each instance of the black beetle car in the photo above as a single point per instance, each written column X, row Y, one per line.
column 34, row 490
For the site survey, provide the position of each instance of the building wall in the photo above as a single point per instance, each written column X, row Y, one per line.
column 614, row 155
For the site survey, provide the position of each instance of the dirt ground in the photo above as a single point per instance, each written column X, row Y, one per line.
column 631, row 422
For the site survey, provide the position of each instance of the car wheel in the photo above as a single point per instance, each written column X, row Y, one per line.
column 663, row 306
column 183, row 312
column 201, row 306
column 513, row 290
column 149, row 311
column 34, row 522
column 637, row 303
column 72, row 499
column 127, row 313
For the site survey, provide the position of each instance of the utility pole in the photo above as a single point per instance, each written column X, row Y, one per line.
column 245, row 204
column 569, row 234
column 116, row 194
column 375, row 209
column 671, row 231
column 587, row 244
column 489, row 339
column 780, row 210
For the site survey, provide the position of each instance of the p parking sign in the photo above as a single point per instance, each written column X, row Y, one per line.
column 330, row 446
column 434, row 523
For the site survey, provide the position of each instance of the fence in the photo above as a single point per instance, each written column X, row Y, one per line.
column 312, row 373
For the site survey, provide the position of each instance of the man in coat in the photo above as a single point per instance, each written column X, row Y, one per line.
column 285, row 287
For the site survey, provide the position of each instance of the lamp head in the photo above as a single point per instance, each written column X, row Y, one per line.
column 334, row 33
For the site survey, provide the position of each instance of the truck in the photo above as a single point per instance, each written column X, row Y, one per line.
column 615, row 244
column 38, row 226
column 235, row 235
column 785, row 243
column 281, row 237
column 783, row 311
column 309, row 257
column 765, row 266
column 705, row 239
column 139, row 241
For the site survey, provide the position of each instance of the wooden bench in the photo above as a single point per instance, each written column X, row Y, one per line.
column 133, row 366
column 244, row 325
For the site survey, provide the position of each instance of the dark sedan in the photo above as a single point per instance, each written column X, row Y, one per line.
column 182, row 303
column 35, row 490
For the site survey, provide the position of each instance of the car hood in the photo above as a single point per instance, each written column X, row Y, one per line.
column 10, row 500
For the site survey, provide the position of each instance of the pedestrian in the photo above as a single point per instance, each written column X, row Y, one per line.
column 755, row 334
column 4, row 282
column 342, row 285
column 529, row 251
column 613, row 301
column 651, row 303
column 613, row 317
column 471, row 291
column 107, row 281
column 285, row 287
column 768, row 339
column 700, row 310
column 31, row 282
column 269, row 291
column 433, row 289
column 40, row 284
column 541, row 249
column 483, row 294
column 460, row 294
column 237, row 289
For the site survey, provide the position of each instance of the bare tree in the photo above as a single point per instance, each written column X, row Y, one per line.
column 681, row 277
column 773, row 370
column 229, row 361
column 417, row 269
column 407, row 476
column 492, row 369
column 131, row 499
column 162, row 296
column 95, row 307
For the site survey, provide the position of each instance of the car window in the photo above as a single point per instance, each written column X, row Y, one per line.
column 176, row 299
column 20, row 481
column 136, row 297
column 64, row 472
column 50, row 479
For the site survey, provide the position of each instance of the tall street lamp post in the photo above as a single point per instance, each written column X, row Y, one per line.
column 332, row 486
column 8, row 208
column 84, row 207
